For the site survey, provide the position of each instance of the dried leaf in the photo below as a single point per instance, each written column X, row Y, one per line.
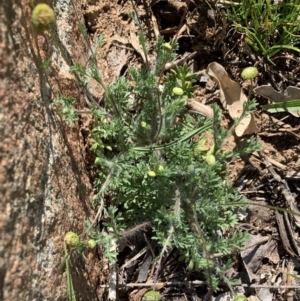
column 265, row 294
column 253, row 298
column 180, row 6
column 246, row 126
column 291, row 93
column 232, row 99
column 228, row 296
column 231, row 94
column 137, row 295
column 155, row 27
column 134, row 40
column 253, row 256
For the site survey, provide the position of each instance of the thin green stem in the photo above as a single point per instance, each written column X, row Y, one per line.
column 194, row 223
column 250, row 89
column 158, row 93
column 71, row 292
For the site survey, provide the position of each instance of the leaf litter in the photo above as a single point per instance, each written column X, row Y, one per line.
column 232, row 99
column 291, row 93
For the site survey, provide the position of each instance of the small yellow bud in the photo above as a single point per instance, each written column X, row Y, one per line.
column 249, row 73
column 43, row 16
column 110, row 229
column 160, row 168
column 201, row 146
column 211, row 150
column 143, row 124
column 191, row 265
column 151, row 173
column 152, row 296
column 72, row 239
column 92, row 243
column 168, row 46
column 210, row 159
column 177, row 91
column 239, row 298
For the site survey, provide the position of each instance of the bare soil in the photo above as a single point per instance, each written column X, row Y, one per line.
column 207, row 36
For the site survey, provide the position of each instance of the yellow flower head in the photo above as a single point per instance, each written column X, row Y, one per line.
column 72, row 239
column 168, row 46
column 210, row 159
column 177, row 91
column 151, row 173
column 43, row 16
column 160, row 168
column 249, row 73
column 92, row 243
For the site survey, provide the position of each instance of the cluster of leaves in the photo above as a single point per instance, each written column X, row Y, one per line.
column 269, row 27
column 150, row 167
column 66, row 108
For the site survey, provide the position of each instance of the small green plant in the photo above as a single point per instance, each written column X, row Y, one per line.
column 269, row 27
column 150, row 166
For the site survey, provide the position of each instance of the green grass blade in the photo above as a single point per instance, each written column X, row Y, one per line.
column 287, row 106
column 285, row 47
column 71, row 292
column 185, row 137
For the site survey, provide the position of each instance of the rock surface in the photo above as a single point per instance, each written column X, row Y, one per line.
column 44, row 187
